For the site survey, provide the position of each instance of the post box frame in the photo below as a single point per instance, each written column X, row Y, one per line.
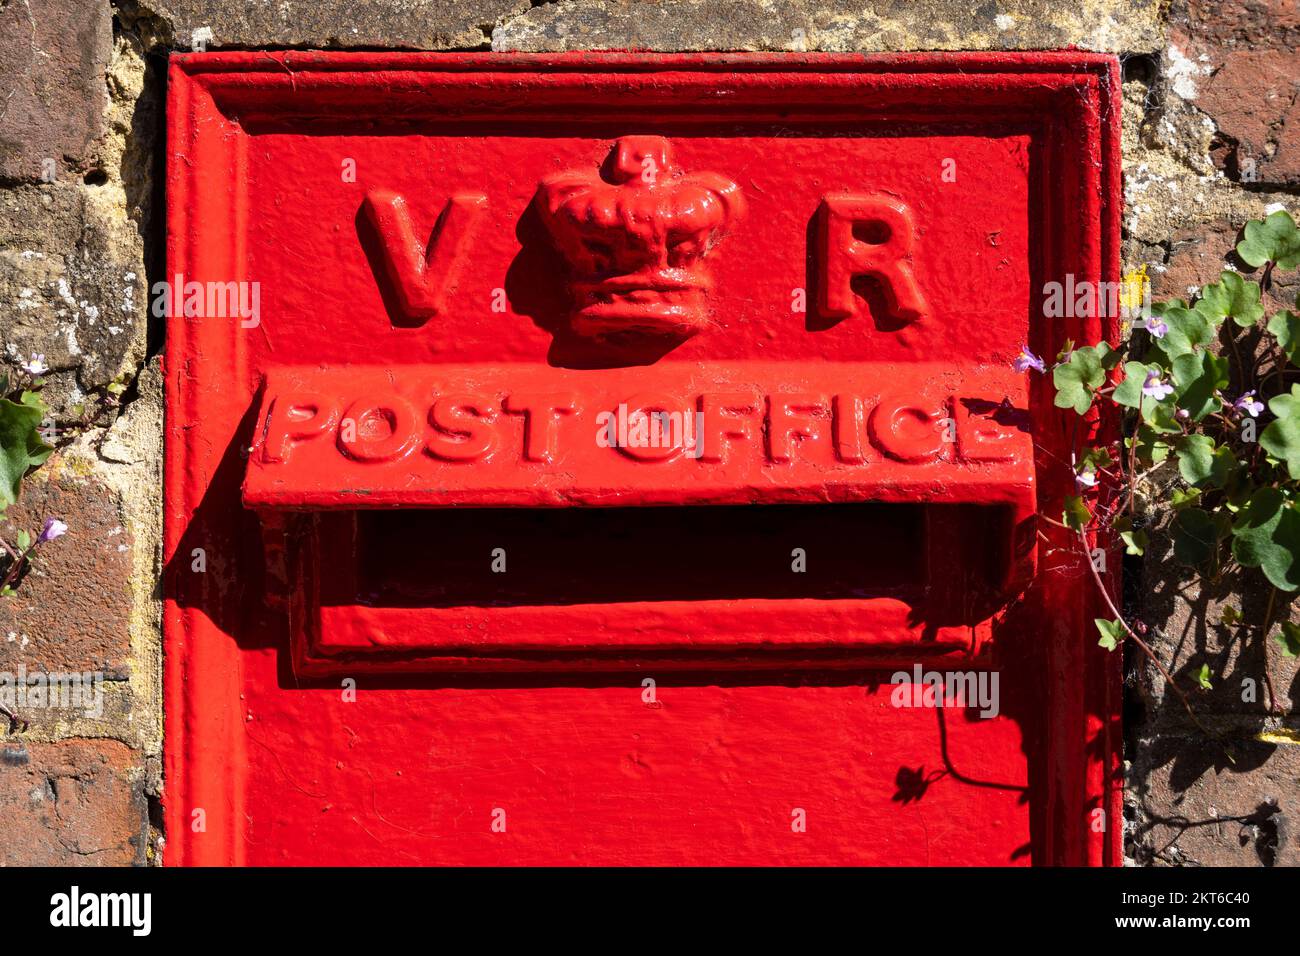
column 1072, row 98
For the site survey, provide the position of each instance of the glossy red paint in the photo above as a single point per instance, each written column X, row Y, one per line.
column 617, row 426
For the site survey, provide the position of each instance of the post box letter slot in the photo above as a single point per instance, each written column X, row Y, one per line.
column 520, row 517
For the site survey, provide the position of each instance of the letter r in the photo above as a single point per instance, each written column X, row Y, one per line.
column 866, row 236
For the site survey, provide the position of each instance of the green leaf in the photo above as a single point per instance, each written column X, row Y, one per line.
column 1229, row 615
column 1135, row 542
column 1225, row 467
column 1203, row 463
column 1197, row 377
column 1274, row 239
column 1197, row 462
column 1076, row 379
column 1238, row 488
column 1107, row 356
column 1266, row 535
column 1290, row 639
column 1222, row 524
column 1232, row 296
column 1096, row 459
column 1183, row 499
column 1129, row 392
column 1188, row 331
column 1281, row 438
column 21, row 447
column 1285, row 327
column 1160, row 416
column 24, row 540
column 1076, row 515
column 1195, row 536
column 1112, row 632
column 1151, row 448
column 1203, row 677
column 1195, row 458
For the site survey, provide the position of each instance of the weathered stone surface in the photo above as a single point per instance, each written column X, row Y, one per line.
column 415, row 24
column 1189, row 807
column 72, row 803
column 72, row 611
column 841, row 25
column 672, row 25
column 71, row 287
column 52, row 60
column 72, row 270
column 128, row 458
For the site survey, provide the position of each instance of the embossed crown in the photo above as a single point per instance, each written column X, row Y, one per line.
column 635, row 235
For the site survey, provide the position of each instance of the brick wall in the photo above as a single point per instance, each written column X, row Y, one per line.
column 1212, row 137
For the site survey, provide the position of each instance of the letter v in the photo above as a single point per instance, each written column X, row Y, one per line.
column 420, row 276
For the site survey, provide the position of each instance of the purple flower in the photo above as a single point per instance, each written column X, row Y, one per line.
column 1154, row 388
column 54, row 528
column 1027, row 360
column 37, row 365
column 1086, row 478
column 1248, row 404
column 1157, row 326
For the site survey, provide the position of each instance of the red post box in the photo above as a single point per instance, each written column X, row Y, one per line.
column 619, row 459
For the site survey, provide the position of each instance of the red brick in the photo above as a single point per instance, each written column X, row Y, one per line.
column 1253, row 88
column 72, row 803
column 1259, row 23
column 1252, row 98
column 74, row 607
column 53, row 55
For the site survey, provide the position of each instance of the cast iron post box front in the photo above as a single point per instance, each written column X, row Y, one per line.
column 598, row 439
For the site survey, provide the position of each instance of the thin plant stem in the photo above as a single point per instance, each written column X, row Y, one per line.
column 19, row 561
